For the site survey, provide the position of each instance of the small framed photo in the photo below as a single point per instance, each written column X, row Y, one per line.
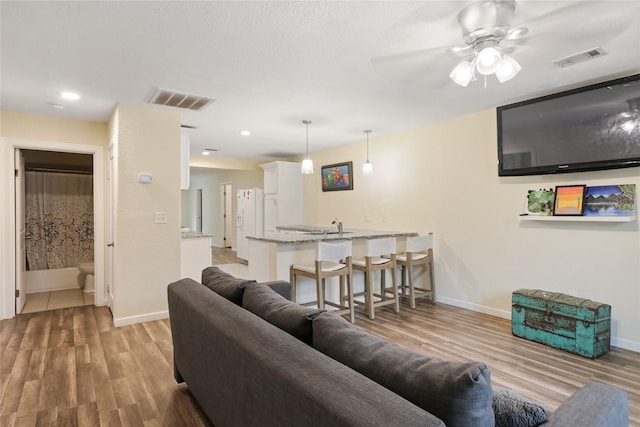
column 338, row 176
column 569, row 200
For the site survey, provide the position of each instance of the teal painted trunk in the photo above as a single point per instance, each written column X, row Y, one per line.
column 578, row 325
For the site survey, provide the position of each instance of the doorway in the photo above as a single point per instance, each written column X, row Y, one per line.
column 54, row 211
column 11, row 276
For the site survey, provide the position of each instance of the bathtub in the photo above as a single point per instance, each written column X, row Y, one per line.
column 53, row 280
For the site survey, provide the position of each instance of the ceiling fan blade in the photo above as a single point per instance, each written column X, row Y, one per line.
column 408, row 66
column 420, row 41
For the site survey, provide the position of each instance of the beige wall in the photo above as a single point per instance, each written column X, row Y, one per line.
column 442, row 178
column 209, row 182
column 147, row 255
column 51, row 128
column 39, row 132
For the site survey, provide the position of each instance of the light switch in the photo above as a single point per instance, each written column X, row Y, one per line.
column 160, row 217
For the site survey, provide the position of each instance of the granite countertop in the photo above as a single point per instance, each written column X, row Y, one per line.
column 309, row 233
column 194, row 235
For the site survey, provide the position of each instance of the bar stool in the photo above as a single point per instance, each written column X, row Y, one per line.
column 375, row 250
column 419, row 252
column 333, row 259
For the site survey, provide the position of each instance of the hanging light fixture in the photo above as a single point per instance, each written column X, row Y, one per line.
column 307, row 163
column 367, row 167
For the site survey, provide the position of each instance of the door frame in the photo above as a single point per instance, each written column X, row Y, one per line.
column 7, row 218
column 20, row 218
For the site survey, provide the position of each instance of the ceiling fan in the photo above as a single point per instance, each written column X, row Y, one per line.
column 486, row 31
column 488, row 36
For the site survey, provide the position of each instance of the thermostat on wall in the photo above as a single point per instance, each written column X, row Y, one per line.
column 144, row 178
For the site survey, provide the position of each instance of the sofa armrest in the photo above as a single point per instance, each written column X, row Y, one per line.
column 280, row 287
column 594, row 405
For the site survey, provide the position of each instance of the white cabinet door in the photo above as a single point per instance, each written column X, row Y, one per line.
column 271, row 180
column 270, row 213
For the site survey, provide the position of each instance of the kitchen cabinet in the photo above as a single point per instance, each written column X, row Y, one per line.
column 282, row 194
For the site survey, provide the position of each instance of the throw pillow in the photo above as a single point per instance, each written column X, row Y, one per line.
column 513, row 410
column 225, row 284
column 293, row 318
column 457, row 393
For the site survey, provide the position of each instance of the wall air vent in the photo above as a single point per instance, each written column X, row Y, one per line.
column 172, row 98
column 577, row 58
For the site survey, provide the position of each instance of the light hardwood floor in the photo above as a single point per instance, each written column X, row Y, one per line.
column 72, row 367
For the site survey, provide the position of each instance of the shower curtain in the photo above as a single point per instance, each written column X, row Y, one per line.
column 59, row 219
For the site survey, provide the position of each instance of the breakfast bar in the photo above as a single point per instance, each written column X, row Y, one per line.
column 271, row 254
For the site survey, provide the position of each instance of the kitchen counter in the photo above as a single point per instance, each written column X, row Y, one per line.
column 195, row 235
column 309, row 233
column 272, row 254
column 195, row 254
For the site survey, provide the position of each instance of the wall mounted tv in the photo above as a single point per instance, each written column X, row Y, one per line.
column 590, row 128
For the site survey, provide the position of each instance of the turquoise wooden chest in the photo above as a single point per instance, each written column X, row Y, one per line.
column 562, row 321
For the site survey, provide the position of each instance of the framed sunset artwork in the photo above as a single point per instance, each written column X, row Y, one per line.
column 569, row 200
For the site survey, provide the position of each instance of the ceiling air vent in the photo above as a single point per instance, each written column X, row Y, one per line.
column 172, row 98
column 577, row 58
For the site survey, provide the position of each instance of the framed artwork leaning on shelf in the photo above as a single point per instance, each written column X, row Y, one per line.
column 569, row 200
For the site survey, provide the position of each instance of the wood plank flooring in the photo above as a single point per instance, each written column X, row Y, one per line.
column 543, row 374
column 71, row 367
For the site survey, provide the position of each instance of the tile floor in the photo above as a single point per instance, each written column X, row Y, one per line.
column 44, row 301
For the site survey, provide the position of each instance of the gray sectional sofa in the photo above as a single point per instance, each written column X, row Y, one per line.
column 250, row 357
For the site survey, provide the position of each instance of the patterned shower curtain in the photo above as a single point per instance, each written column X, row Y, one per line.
column 59, row 219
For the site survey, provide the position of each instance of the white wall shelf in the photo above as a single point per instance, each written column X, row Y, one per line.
column 577, row 218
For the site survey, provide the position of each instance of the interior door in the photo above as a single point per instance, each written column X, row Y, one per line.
column 21, row 253
column 228, row 215
column 199, row 209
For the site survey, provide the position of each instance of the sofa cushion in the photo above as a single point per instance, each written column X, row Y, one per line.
column 457, row 393
column 293, row 318
column 513, row 410
column 225, row 284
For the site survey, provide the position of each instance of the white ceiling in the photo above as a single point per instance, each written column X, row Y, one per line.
column 272, row 64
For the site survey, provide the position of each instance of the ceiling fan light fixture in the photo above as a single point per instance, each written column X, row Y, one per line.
column 463, row 73
column 508, row 69
column 489, row 60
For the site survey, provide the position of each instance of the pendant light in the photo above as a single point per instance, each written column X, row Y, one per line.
column 307, row 163
column 367, row 167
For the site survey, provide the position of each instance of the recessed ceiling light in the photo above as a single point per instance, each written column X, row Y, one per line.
column 205, row 153
column 71, row 96
column 245, row 133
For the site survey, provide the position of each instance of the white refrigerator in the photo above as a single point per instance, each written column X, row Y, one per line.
column 249, row 219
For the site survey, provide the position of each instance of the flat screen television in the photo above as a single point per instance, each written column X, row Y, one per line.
column 590, row 128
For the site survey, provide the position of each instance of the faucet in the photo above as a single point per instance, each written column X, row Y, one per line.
column 339, row 224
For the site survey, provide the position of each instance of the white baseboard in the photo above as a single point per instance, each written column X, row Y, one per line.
column 626, row 344
column 475, row 307
column 147, row 317
column 615, row 341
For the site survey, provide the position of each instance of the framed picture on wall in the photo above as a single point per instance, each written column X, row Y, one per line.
column 569, row 200
column 338, row 176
